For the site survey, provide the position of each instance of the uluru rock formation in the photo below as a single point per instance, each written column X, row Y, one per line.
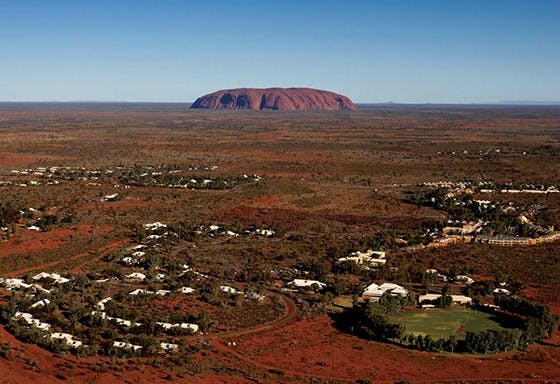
column 285, row 99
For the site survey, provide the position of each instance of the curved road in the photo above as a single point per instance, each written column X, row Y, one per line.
column 291, row 314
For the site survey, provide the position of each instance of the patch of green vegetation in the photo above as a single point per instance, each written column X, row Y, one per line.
column 343, row 301
column 446, row 322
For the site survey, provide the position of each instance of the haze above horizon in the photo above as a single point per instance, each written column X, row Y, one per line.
column 371, row 51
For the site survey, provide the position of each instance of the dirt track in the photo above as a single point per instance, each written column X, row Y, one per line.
column 102, row 251
column 221, row 342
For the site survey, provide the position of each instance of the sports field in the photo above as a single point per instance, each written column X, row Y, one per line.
column 445, row 322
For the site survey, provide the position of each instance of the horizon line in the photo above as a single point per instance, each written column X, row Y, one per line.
column 505, row 102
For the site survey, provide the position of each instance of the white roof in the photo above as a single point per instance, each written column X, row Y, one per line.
column 168, row 346
column 15, row 283
column 300, row 283
column 136, row 275
column 264, row 232
column 154, row 226
column 375, row 290
column 27, row 316
column 369, row 253
column 168, row 326
column 101, row 304
column 129, row 260
column 54, row 276
column 61, row 335
column 138, row 291
column 41, row 303
column 122, row 344
column 228, row 289
column 69, row 339
column 464, row 278
column 192, row 327
column 461, row 299
column 41, row 325
column 186, row 290
column 503, row 291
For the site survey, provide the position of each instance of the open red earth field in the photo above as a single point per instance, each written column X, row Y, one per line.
column 314, row 347
column 329, row 183
column 28, row 241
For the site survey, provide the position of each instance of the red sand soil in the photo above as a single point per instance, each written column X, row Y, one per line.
column 313, row 347
column 102, row 251
column 50, row 369
column 119, row 205
column 276, row 217
column 545, row 296
column 8, row 159
column 27, row 241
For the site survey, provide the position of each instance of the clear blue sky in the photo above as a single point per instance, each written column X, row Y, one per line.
column 373, row 51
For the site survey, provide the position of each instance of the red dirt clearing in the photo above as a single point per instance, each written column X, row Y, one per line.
column 14, row 159
column 102, row 251
column 315, row 347
column 28, row 241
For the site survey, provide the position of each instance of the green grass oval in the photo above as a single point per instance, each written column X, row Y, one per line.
column 451, row 321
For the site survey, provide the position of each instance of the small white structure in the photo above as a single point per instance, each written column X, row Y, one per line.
column 14, row 283
column 28, row 317
column 369, row 257
column 168, row 347
column 302, row 283
column 254, row 296
column 188, row 326
column 464, row 279
column 437, row 273
column 154, row 226
column 136, row 276
column 501, row 291
column 456, row 299
column 228, row 289
column 41, row 303
column 375, row 291
column 186, row 290
column 160, row 276
column 53, row 276
column 42, row 326
column 101, row 304
column 33, row 228
column 112, row 197
column 129, row 260
column 139, row 291
column 68, row 339
column 123, row 345
column 265, row 232
column 31, row 321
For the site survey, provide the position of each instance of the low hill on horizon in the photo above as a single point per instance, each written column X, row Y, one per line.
column 283, row 99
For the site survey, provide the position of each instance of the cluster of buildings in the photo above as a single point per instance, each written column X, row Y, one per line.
column 373, row 292
column 369, row 258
